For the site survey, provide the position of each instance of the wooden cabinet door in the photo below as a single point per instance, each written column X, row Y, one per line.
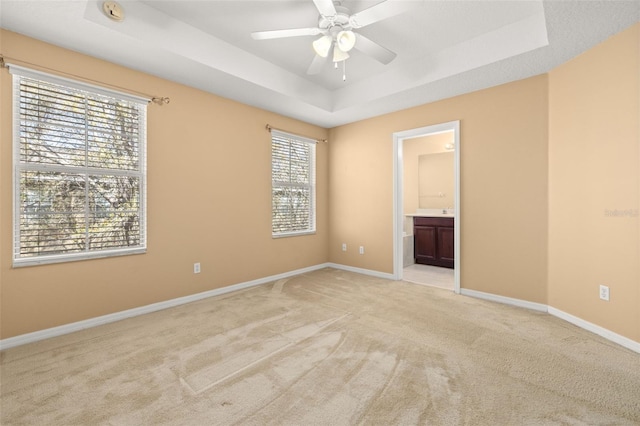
column 434, row 241
column 425, row 248
column 445, row 247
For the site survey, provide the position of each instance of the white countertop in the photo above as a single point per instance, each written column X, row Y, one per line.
column 431, row 213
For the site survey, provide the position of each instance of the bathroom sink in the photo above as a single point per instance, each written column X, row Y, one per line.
column 432, row 213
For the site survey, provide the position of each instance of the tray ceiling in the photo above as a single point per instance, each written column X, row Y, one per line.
column 444, row 48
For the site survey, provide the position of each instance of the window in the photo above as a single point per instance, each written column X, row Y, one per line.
column 293, row 182
column 79, row 170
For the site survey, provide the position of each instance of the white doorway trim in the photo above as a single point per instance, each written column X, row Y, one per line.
column 398, row 210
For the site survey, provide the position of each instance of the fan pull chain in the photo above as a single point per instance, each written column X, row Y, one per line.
column 344, row 69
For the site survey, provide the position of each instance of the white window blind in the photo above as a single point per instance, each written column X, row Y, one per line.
column 293, row 182
column 79, row 170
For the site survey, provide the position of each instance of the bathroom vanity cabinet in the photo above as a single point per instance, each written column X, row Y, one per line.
column 433, row 241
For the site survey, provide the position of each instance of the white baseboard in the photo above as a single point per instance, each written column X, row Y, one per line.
column 505, row 300
column 117, row 316
column 361, row 271
column 600, row 331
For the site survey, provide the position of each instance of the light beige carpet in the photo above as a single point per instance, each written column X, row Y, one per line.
column 325, row 348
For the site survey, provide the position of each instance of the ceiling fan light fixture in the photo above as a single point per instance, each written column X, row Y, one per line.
column 339, row 55
column 346, row 40
column 323, row 45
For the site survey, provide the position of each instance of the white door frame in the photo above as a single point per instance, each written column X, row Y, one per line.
column 398, row 206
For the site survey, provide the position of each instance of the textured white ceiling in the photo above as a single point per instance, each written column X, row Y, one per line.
column 444, row 48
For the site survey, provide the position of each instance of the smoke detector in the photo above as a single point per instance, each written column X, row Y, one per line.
column 113, row 10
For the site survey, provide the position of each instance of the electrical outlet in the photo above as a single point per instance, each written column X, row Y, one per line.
column 604, row 292
column 361, row 249
column 344, row 246
column 196, row 268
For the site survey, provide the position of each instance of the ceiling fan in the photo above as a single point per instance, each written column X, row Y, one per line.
column 335, row 27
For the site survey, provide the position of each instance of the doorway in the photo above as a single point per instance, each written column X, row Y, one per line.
column 398, row 194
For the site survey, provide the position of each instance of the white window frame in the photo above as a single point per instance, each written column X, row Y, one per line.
column 18, row 166
column 311, row 185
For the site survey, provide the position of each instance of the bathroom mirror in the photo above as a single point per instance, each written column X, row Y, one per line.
column 436, row 183
column 428, row 172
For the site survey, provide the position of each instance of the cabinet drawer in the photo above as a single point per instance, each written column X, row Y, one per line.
column 433, row 221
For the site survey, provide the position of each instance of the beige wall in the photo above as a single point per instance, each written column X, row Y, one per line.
column 503, row 187
column 209, row 186
column 594, row 184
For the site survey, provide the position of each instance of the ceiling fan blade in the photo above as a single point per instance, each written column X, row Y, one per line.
column 381, row 11
column 373, row 49
column 316, row 65
column 293, row 32
column 325, row 7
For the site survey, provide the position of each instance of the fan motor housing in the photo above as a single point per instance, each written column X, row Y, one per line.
column 341, row 19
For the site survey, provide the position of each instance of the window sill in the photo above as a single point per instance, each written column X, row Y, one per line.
column 292, row 234
column 64, row 258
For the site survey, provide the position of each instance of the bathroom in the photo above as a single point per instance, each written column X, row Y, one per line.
column 429, row 199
